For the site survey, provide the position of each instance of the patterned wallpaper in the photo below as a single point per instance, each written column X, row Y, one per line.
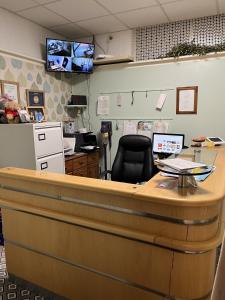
column 155, row 41
column 32, row 75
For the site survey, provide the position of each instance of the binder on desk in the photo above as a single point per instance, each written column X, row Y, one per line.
column 179, row 164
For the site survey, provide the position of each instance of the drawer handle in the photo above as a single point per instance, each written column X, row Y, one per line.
column 41, row 137
column 44, row 165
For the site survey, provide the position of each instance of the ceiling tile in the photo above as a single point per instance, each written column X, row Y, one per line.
column 221, row 6
column 71, row 31
column 189, row 9
column 116, row 6
column 17, row 5
column 102, row 25
column 167, row 1
column 143, row 17
column 78, row 10
column 45, row 1
column 43, row 16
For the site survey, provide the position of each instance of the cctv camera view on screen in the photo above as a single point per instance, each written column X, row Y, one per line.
column 68, row 56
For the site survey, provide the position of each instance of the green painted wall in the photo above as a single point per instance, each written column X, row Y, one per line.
column 208, row 75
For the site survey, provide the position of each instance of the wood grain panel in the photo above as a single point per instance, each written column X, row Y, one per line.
column 68, row 166
column 192, row 275
column 68, row 281
column 93, row 171
column 93, row 158
column 79, row 163
column 110, row 254
column 138, row 223
column 202, row 232
column 83, row 172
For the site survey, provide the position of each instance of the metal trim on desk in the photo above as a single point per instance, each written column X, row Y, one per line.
column 143, row 214
column 106, row 232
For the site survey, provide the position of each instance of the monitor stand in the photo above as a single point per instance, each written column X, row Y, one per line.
column 164, row 155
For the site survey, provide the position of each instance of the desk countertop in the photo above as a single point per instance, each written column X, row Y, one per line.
column 180, row 226
column 208, row 192
column 171, row 204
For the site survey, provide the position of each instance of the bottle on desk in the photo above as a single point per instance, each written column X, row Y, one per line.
column 197, row 155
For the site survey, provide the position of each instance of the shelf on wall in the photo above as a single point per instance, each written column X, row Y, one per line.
column 74, row 106
column 114, row 60
column 167, row 60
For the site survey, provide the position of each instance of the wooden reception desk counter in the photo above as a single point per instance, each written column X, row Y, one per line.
column 89, row 239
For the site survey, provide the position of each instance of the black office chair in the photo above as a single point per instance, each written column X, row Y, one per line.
column 134, row 161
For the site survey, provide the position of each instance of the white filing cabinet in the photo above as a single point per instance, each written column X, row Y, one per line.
column 36, row 146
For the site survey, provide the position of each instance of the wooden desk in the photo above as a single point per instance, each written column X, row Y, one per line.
column 83, row 164
column 90, row 239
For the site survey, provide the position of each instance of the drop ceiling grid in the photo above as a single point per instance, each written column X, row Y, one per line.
column 89, row 16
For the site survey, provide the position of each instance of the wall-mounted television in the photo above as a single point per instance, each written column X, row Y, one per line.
column 69, row 56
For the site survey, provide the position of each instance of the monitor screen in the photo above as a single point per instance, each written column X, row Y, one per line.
column 69, row 56
column 167, row 143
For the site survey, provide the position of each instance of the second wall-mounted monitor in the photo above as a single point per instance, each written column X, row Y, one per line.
column 69, row 56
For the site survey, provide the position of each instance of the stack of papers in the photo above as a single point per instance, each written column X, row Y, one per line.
column 68, row 151
column 180, row 164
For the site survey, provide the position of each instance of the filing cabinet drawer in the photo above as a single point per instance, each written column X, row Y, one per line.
column 93, row 158
column 69, row 166
column 79, row 162
column 81, row 172
column 48, row 141
column 83, row 164
column 53, row 163
column 93, row 171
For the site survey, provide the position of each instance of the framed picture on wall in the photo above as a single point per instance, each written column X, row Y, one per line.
column 35, row 98
column 37, row 114
column 187, row 99
column 11, row 90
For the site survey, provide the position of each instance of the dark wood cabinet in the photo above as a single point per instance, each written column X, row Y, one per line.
column 83, row 164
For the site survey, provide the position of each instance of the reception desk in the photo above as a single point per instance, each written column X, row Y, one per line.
column 89, row 239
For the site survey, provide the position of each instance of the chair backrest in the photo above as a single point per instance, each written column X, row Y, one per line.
column 134, row 161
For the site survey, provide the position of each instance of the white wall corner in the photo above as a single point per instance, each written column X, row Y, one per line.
column 117, row 44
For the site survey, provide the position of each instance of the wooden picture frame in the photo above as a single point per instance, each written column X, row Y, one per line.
column 11, row 90
column 37, row 113
column 187, row 100
column 35, row 98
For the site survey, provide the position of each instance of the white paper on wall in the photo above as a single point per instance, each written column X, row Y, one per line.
column 160, row 126
column 129, row 127
column 186, row 102
column 103, row 105
column 161, row 101
column 119, row 100
column 144, row 128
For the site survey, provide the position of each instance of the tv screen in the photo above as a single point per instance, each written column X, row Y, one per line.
column 69, row 56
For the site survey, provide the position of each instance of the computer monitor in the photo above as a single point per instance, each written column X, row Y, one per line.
column 167, row 143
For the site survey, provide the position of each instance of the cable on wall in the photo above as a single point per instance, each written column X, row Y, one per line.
column 137, row 91
column 131, row 119
column 88, row 101
column 132, row 93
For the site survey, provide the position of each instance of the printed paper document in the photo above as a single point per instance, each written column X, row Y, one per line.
column 103, row 105
column 180, row 164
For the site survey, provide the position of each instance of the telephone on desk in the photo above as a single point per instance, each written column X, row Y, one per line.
column 216, row 140
column 208, row 141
